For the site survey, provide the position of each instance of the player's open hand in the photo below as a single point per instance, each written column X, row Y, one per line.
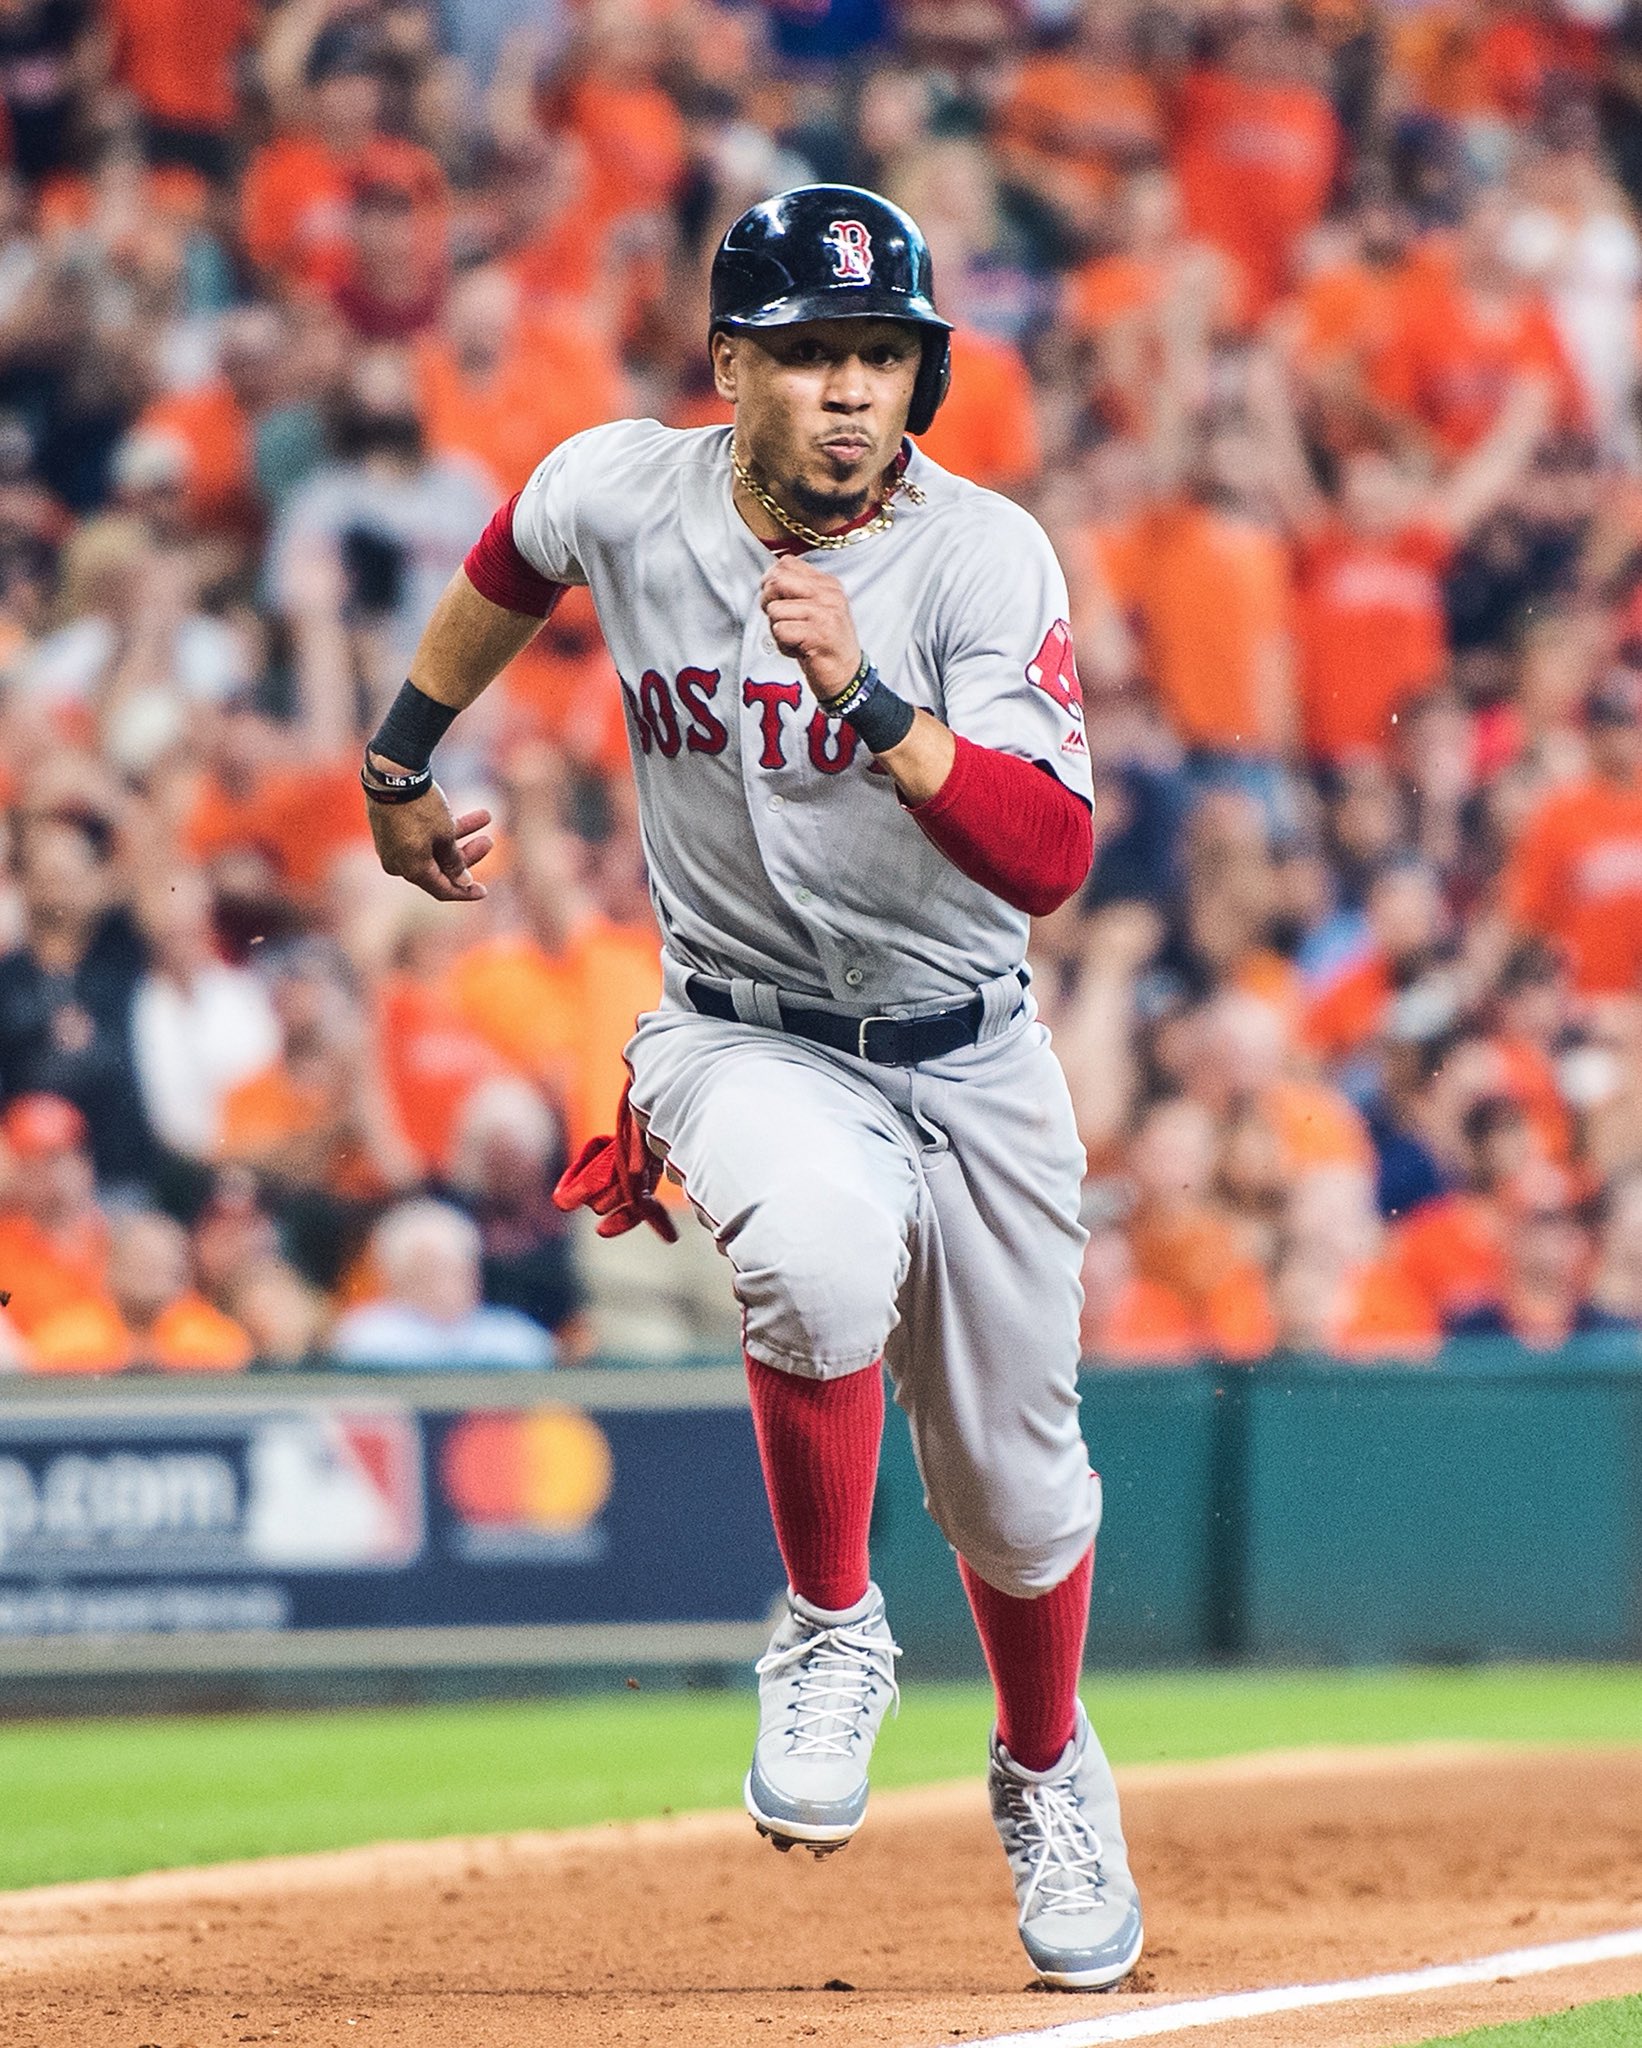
column 429, row 847
column 810, row 621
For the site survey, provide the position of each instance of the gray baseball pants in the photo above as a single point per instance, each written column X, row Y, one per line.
column 927, row 1216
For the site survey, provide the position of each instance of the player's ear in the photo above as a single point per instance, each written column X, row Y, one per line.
column 723, row 347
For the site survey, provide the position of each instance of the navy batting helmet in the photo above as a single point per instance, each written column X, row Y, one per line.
column 833, row 252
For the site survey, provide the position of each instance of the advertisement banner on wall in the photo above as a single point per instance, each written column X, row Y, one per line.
column 337, row 1515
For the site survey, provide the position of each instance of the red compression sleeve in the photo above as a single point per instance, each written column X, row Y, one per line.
column 497, row 570
column 1011, row 826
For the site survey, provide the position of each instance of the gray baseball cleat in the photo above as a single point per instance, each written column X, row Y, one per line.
column 1060, row 1828
column 824, row 1686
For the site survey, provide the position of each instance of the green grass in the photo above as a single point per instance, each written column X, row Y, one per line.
column 102, row 1798
column 1615, row 2023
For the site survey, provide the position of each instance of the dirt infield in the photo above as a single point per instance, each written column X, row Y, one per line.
column 691, row 1932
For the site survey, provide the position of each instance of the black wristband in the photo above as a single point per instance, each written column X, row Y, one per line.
column 384, row 788
column 414, row 726
column 880, row 719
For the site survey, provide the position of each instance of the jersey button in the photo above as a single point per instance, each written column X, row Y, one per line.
column 802, row 896
column 776, row 802
column 854, row 977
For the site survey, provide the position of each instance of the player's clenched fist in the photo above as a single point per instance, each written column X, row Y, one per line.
column 425, row 844
column 810, row 621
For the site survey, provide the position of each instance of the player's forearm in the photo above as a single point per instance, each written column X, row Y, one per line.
column 922, row 761
column 467, row 643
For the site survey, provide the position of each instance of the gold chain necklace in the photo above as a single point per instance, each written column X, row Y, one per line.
column 882, row 518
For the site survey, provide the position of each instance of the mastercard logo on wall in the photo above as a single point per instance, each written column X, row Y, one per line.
column 527, row 1483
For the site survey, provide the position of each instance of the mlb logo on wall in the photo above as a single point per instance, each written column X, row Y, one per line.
column 332, row 1489
column 851, row 247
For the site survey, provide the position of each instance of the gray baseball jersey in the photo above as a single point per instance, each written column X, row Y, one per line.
column 926, row 1215
column 775, row 850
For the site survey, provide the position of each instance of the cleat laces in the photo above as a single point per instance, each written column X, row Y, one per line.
column 834, row 1674
column 1063, row 1849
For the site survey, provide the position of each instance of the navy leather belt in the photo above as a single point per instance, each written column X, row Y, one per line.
column 885, row 1041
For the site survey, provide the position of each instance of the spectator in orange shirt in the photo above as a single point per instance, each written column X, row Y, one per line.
column 1240, row 1056
column 1453, row 1249
column 1408, row 926
column 1077, row 117
column 1530, row 1019
column 634, row 133
column 1486, row 64
column 1182, row 1239
column 258, row 806
column 557, row 995
column 1575, row 874
column 432, row 1060
column 1157, row 274
column 392, row 285
column 988, row 429
column 178, row 62
column 298, row 188
column 1337, row 1290
column 319, row 1119
column 53, row 1235
column 1371, row 629
column 1344, row 306
column 1256, row 147
column 1208, row 590
column 1466, row 333
column 217, row 421
column 564, row 688
column 505, row 386
column 1542, row 1296
column 151, row 1319
column 537, row 227
column 1127, row 1318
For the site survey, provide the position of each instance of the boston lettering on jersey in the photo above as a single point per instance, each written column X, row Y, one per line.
column 654, row 718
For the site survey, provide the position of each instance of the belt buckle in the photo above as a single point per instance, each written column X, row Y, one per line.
column 861, row 1052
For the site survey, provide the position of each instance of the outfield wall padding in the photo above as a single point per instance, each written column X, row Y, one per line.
column 1294, row 1512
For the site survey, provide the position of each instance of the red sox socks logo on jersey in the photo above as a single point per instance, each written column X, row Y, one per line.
column 851, row 252
column 1054, row 668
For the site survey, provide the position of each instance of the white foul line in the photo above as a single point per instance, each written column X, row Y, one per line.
column 1248, row 2005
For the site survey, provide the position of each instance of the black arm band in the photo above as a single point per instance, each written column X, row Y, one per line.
column 881, row 719
column 414, row 726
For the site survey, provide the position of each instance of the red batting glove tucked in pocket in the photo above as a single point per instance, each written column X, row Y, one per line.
column 616, row 1178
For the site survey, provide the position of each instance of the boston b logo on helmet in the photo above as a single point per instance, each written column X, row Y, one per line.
column 851, row 252
column 833, row 252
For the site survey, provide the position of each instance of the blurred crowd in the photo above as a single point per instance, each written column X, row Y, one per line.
column 1310, row 332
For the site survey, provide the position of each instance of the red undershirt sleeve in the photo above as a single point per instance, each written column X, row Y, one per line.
column 1012, row 826
column 497, row 570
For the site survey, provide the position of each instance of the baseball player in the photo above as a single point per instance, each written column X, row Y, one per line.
column 861, row 767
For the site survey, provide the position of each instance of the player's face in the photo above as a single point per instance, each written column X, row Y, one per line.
column 820, row 407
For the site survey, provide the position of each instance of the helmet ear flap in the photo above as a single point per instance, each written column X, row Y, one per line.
column 934, row 375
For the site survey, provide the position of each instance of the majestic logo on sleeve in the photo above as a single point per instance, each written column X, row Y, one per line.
column 851, row 247
column 1054, row 668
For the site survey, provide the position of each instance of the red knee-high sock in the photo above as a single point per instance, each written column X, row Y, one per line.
column 818, row 1443
column 1034, row 1651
